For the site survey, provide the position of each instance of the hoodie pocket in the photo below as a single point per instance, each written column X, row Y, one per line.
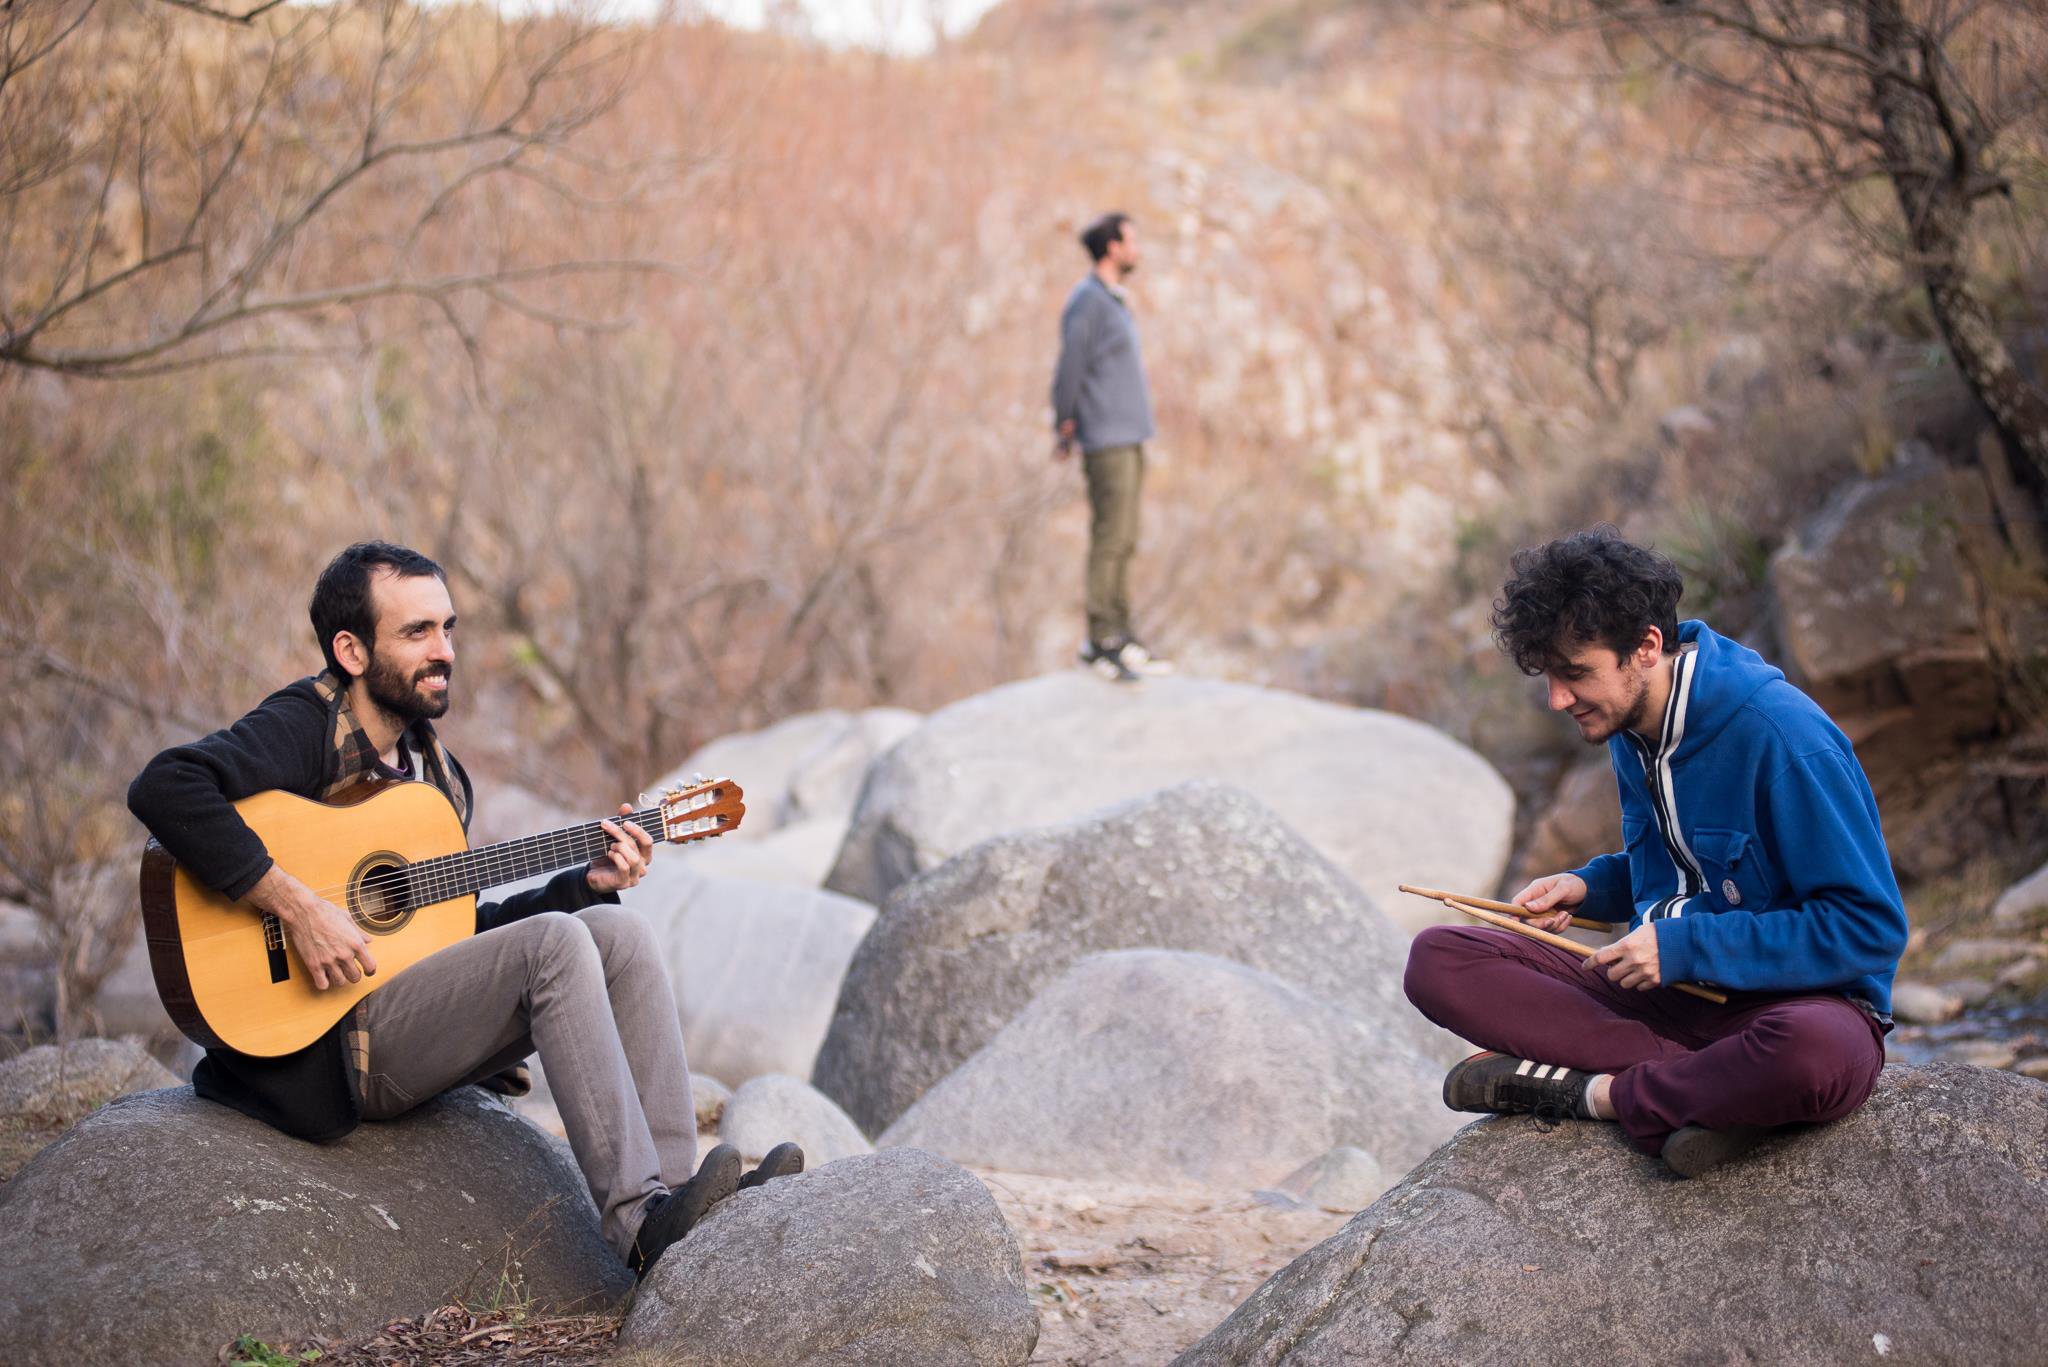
column 1737, row 875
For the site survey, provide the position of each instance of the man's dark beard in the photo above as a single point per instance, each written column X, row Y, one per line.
column 401, row 697
column 1638, row 710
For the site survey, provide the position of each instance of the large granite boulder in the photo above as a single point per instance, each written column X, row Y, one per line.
column 799, row 853
column 896, row 1259
column 804, row 767
column 756, row 965
column 1876, row 605
column 1183, row 1067
column 1201, row 867
column 1908, row 1232
column 76, row 1077
column 161, row 1226
column 1386, row 799
column 1872, row 596
column 1889, row 623
column 766, row 1111
column 506, row 811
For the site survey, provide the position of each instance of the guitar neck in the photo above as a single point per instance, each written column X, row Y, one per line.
column 510, row 861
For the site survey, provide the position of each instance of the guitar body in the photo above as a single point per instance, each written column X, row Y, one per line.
column 227, row 972
column 229, row 980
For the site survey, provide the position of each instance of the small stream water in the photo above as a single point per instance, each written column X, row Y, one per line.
column 2022, row 1026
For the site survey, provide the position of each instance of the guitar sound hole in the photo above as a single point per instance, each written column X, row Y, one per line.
column 380, row 895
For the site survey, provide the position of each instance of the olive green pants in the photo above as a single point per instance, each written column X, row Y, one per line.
column 1115, row 475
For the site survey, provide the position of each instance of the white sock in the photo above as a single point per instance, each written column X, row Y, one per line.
column 1586, row 1102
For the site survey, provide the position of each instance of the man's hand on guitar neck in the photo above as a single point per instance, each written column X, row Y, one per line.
column 625, row 863
column 327, row 941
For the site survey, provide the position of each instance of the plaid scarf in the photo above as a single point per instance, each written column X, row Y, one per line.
column 351, row 755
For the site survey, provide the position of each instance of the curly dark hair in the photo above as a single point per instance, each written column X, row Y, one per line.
column 1592, row 587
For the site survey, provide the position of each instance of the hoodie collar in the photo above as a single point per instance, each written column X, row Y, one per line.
column 1712, row 678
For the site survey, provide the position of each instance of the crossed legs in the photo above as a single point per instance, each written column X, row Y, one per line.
column 1676, row 1061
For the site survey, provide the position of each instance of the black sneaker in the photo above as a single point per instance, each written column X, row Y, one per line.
column 672, row 1215
column 1501, row 1085
column 784, row 1160
column 1107, row 659
column 1691, row 1150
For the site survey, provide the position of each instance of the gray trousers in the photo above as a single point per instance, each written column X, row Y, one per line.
column 1116, row 474
column 588, row 993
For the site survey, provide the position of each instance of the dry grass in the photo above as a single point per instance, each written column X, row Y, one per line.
column 452, row 1336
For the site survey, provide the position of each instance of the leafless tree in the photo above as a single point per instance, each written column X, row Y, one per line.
column 180, row 181
column 1933, row 98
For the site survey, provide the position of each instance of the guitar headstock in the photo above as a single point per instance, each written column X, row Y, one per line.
column 708, row 807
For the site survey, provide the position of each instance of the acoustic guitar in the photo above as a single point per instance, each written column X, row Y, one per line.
column 390, row 853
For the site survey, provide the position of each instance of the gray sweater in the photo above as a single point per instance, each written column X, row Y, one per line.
column 1100, row 379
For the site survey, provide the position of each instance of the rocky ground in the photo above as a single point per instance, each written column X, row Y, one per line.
column 1120, row 1273
column 1123, row 1273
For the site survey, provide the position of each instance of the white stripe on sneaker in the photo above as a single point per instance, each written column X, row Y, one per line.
column 1523, row 1071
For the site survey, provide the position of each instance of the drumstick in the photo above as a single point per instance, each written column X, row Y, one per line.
column 1508, row 923
column 1508, row 908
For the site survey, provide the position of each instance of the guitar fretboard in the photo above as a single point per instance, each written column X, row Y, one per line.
column 458, row 875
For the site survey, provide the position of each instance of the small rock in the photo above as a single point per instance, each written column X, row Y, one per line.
column 1924, row 1004
column 1971, row 992
column 1689, row 429
column 710, row 1096
column 1345, row 1178
column 899, row 1259
column 2023, row 901
column 1980, row 1053
column 2017, row 972
column 2036, row 1067
column 1741, row 368
column 61, row 1078
column 1963, row 954
column 765, row 1111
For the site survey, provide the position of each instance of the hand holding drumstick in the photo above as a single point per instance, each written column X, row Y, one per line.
column 1635, row 953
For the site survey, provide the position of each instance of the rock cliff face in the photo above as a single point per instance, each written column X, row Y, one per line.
column 1906, row 1232
column 1885, row 619
column 161, row 1227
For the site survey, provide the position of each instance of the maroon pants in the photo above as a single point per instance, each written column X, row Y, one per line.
column 1676, row 1060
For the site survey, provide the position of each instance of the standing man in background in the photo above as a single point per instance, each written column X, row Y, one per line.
column 1101, row 408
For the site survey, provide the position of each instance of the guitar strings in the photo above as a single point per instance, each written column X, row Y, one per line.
column 494, row 863
column 494, row 860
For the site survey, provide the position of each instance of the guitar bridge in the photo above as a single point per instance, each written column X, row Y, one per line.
column 273, row 941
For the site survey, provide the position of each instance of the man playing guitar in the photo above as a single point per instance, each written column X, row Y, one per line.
column 561, row 970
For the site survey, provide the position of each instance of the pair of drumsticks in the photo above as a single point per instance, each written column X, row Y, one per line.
column 1508, row 916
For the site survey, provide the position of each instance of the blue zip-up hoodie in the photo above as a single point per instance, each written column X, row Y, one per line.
column 1752, row 837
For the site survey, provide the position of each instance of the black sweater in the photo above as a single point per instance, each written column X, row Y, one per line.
column 185, row 796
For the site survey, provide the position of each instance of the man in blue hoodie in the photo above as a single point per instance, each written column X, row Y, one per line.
column 1753, row 861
